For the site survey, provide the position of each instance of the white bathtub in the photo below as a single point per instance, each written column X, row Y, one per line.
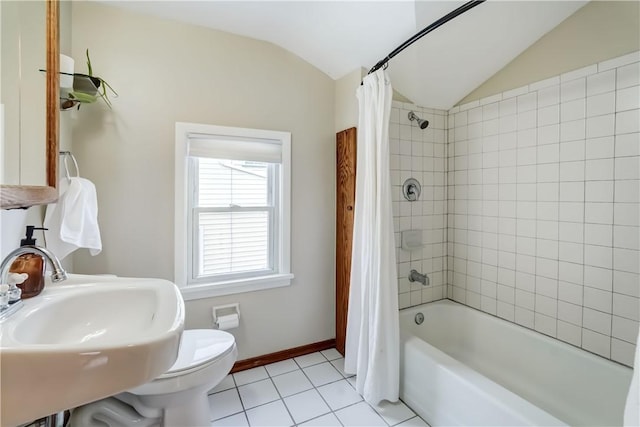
column 465, row 367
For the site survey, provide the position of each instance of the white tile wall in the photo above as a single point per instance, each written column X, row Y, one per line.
column 543, row 187
column 420, row 154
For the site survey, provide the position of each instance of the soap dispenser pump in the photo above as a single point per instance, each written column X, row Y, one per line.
column 32, row 264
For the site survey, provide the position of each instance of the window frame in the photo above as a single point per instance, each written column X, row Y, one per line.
column 184, row 180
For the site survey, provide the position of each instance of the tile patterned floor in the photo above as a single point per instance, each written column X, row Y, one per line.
column 310, row 390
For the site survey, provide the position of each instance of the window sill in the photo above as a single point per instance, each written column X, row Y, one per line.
column 230, row 287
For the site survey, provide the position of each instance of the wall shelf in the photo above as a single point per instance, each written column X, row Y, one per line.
column 85, row 90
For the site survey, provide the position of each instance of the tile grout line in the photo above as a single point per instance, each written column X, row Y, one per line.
column 318, row 392
column 613, row 209
column 282, row 398
column 314, row 387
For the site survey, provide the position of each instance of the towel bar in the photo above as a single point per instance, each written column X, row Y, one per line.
column 65, row 155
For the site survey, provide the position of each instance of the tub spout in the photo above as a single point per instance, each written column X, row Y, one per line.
column 414, row 276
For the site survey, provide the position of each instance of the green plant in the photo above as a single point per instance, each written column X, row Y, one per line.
column 83, row 97
column 102, row 88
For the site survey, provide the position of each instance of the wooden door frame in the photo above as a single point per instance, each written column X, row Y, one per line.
column 345, row 204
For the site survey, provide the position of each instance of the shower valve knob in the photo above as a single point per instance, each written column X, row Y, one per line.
column 411, row 189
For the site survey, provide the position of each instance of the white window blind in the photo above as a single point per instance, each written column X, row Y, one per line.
column 234, row 217
column 235, row 148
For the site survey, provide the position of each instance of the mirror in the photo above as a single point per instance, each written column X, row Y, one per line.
column 29, row 117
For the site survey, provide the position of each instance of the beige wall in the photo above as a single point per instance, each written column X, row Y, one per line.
column 166, row 72
column 66, row 119
column 346, row 103
column 600, row 30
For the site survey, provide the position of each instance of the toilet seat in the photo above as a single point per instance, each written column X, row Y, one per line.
column 203, row 355
column 200, row 347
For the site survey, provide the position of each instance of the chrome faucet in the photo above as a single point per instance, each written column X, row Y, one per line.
column 414, row 276
column 58, row 274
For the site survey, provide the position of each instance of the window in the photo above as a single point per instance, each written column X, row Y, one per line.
column 232, row 209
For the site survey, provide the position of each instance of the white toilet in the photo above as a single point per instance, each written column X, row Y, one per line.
column 176, row 398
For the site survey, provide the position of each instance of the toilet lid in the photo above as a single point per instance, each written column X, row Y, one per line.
column 199, row 347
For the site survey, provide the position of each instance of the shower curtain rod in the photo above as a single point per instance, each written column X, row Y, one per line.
column 448, row 17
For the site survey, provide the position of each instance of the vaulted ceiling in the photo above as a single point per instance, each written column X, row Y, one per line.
column 338, row 37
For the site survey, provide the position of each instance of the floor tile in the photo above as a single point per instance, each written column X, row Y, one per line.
column 272, row 414
column 258, row 393
column 360, row 414
column 394, row 413
column 413, row 422
column 310, row 359
column 305, row 406
column 282, row 367
column 328, row 420
column 226, row 384
column 224, row 404
column 352, row 381
column 250, row 375
column 331, row 354
column 284, row 394
column 322, row 374
column 339, row 365
column 237, row 420
column 339, row 394
column 291, row 383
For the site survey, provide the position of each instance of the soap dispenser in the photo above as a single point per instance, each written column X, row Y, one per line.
column 32, row 264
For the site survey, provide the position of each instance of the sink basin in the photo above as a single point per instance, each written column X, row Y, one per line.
column 84, row 339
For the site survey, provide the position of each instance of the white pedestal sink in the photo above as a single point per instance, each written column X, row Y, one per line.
column 84, row 339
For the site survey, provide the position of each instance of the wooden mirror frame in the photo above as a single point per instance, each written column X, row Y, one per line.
column 24, row 196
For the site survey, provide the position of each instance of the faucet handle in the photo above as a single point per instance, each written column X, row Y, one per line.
column 8, row 307
column 4, row 297
column 16, row 278
column 15, row 293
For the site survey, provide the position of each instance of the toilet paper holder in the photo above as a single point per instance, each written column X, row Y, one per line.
column 224, row 312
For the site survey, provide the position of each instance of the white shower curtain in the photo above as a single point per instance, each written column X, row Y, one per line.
column 372, row 342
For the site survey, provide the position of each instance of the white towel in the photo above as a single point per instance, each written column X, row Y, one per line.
column 73, row 220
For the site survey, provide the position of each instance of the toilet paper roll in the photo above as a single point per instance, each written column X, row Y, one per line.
column 228, row 321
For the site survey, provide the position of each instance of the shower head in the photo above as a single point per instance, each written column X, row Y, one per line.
column 422, row 123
